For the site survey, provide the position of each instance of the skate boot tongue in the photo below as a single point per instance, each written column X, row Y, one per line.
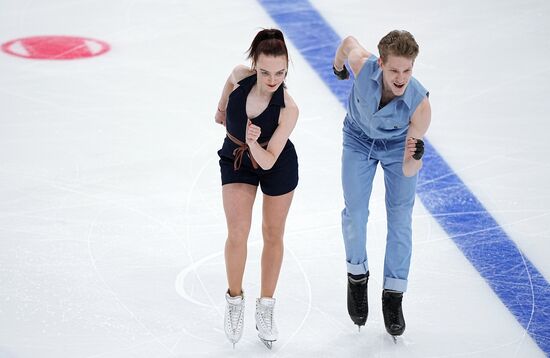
column 268, row 302
column 234, row 300
column 358, row 281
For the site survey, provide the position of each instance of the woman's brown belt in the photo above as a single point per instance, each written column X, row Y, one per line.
column 239, row 151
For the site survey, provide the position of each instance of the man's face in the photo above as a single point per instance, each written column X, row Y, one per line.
column 396, row 73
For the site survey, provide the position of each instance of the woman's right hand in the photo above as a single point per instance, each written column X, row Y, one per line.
column 219, row 117
column 252, row 133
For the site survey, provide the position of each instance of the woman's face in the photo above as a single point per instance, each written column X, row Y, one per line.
column 271, row 71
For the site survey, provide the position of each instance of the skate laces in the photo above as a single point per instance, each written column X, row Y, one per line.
column 235, row 315
column 392, row 301
column 235, row 306
column 266, row 313
column 358, row 291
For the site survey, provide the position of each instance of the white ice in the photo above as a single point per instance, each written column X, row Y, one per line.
column 111, row 222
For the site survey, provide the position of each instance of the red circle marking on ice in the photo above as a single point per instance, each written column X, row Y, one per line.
column 55, row 47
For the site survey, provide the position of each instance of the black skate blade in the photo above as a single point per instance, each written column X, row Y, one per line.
column 359, row 325
column 359, row 321
column 394, row 338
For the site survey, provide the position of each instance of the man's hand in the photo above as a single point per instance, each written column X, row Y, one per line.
column 342, row 74
column 415, row 148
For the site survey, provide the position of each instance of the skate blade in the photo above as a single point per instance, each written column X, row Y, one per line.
column 233, row 342
column 394, row 338
column 268, row 344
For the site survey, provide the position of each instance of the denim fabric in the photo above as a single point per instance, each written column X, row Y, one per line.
column 360, row 158
column 393, row 119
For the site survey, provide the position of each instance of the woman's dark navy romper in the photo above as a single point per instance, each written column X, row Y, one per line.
column 282, row 178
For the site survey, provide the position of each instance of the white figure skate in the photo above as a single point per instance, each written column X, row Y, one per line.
column 265, row 323
column 234, row 317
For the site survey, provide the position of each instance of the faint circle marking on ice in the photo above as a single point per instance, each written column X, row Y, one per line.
column 180, row 279
column 55, row 47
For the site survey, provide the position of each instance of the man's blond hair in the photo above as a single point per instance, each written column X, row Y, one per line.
column 398, row 43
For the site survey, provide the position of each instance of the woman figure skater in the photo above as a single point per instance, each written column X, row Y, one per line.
column 259, row 116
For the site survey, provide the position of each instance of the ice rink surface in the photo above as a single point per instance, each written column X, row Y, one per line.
column 111, row 221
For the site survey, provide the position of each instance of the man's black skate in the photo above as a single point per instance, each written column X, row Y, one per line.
column 393, row 313
column 358, row 303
